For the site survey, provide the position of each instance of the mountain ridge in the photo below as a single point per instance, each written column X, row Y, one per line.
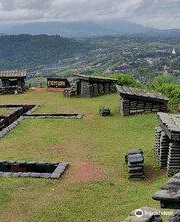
column 78, row 29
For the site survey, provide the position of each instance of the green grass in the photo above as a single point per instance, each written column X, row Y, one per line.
column 4, row 111
column 101, row 141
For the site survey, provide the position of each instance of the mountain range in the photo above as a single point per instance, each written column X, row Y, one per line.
column 77, row 29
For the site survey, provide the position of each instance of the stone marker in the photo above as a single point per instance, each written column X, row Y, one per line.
column 148, row 215
column 169, row 193
column 135, row 161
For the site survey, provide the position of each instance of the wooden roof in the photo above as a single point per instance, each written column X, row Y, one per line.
column 141, row 93
column 13, row 74
column 170, row 124
column 95, row 78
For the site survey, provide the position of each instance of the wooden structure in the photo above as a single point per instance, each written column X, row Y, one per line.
column 90, row 86
column 133, row 101
column 167, row 142
column 56, row 82
column 13, row 81
column 169, row 194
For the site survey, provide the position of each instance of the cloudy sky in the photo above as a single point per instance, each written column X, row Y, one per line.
column 155, row 13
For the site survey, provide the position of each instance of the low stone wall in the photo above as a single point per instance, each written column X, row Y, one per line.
column 13, row 118
column 32, row 169
column 54, row 116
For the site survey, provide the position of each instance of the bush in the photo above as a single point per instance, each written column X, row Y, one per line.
column 172, row 91
column 160, row 80
column 123, row 80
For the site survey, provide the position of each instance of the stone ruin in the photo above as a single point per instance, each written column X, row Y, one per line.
column 167, row 142
column 32, row 169
column 144, row 214
column 21, row 111
column 169, row 193
column 90, row 86
column 10, row 168
column 134, row 101
column 13, row 81
column 135, row 161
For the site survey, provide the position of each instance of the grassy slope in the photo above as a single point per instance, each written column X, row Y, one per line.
column 101, row 141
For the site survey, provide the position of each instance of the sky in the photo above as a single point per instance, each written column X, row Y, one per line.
column 154, row 13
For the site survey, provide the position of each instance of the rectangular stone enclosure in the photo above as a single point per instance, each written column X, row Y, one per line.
column 32, row 169
column 17, row 112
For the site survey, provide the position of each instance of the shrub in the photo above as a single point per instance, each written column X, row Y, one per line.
column 160, row 80
column 123, row 80
column 171, row 90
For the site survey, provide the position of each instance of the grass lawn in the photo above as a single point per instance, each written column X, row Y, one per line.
column 96, row 186
column 4, row 111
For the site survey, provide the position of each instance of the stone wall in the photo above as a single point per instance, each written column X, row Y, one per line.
column 91, row 89
column 13, row 118
column 167, row 152
column 131, row 106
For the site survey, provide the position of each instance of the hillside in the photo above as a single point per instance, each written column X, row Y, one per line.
column 143, row 55
column 78, row 28
column 95, row 187
column 30, row 51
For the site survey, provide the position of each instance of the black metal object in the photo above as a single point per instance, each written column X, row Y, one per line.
column 104, row 111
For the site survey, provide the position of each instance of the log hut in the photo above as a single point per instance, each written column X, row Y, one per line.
column 13, row 81
column 134, row 101
column 90, row 86
column 167, row 142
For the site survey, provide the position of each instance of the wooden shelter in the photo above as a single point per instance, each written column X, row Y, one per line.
column 90, row 86
column 56, row 82
column 167, row 142
column 13, row 81
column 133, row 101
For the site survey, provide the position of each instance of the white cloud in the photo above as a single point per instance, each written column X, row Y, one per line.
column 157, row 13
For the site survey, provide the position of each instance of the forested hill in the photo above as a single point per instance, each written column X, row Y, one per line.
column 21, row 51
